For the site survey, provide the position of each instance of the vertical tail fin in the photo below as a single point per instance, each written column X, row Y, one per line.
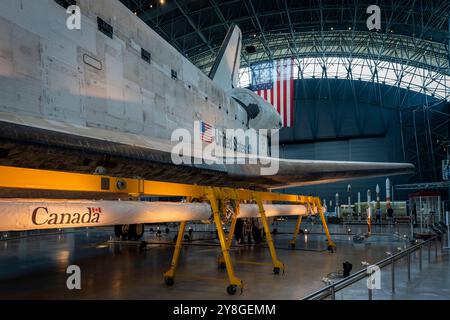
column 225, row 70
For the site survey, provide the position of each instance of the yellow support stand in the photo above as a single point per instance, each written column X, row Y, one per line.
column 277, row 264
column 108, row 187
column 170, row 275
column 234, row 281
column 296, row 231
column 318, row 206
column 233, row 224
column 221, row 262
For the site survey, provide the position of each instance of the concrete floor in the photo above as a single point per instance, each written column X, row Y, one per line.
column 35, row 267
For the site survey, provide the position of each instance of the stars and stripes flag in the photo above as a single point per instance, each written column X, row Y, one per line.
column 280, row 93
column 206, row 132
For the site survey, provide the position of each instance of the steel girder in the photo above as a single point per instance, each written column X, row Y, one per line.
column 414, row 31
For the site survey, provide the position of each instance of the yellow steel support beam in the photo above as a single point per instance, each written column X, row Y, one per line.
column 213, row 195
column 296, row 231
column 319, row 208
column 233, row 224
column 221, row 262
column 35, row 179
column 21, row 178
column 299, row 222
column 170, row 274
column 277, row 264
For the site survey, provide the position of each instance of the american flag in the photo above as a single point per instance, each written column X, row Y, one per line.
column 280, row 93
column 96, row 210
column 206, row 132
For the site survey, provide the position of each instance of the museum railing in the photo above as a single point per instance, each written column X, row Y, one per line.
column 330, row 290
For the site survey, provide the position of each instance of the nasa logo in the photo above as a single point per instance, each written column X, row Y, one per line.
column 42, row 216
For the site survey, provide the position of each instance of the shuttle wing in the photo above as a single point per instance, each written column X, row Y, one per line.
column 293, row 173
column 68, row 148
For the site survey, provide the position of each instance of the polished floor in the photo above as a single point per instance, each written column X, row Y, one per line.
column 34, row 267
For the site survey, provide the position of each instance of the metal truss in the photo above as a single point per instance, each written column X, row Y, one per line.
column 411, row 78
column 413, row 32
column 423, row 130
column 413, row 41
column 366, row 45
column 423, row 186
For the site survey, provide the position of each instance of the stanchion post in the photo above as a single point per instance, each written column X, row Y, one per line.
column 409, row 264
column 420, row 258
column 435, row 248
column 393, row 275
column 429, row 252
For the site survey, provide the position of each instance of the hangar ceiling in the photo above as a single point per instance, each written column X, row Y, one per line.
column 413, row 32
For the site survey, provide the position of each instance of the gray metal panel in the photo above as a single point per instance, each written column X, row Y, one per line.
column 305, row 151
column 333, row 150
column 375, row 149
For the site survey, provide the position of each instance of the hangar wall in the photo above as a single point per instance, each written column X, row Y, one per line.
column 347, row 121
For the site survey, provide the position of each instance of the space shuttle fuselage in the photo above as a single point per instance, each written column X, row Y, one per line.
column 133, row 82
column 114, row 79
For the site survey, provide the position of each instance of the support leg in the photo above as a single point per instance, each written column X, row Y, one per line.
column 233, row 225
column 331, row 244
column 277, row 264
column 170, row 275
column 296, row 232
column 230, row 234
column 234, row 281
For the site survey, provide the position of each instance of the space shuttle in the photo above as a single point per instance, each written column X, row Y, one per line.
column 108, row 97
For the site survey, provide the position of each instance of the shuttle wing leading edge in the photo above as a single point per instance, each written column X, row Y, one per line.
column 69, row 150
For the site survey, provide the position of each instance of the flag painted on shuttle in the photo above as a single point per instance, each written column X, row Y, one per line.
column 206, row 132
column 280, row 93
